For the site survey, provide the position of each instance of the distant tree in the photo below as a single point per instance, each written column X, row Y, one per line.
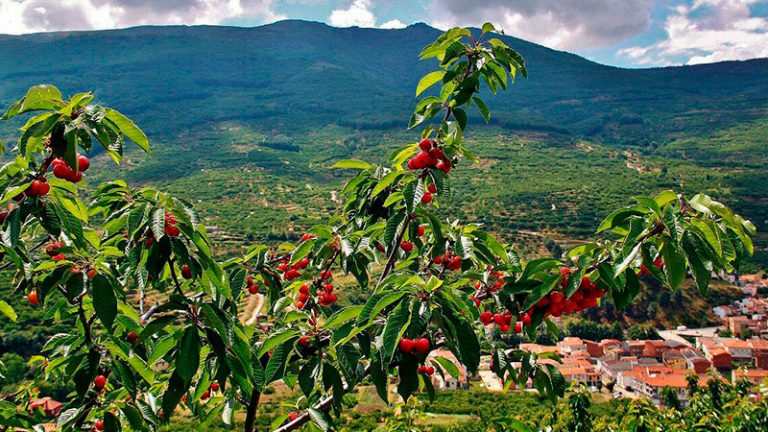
column 670, row 399
column 725, row 332
column 13, row 369
column 693, row 384
column 579, row 403
column 746, row 333
column 639, row 332
column 610, row 386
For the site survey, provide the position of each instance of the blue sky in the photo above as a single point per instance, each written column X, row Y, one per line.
column 628, row 33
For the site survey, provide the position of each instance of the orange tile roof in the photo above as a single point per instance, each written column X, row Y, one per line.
column 670, row 380
column 736, row 344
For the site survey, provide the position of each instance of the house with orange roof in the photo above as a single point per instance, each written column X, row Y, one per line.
column 571, row 345
column 539, row 349
column 739, row 349
column 50, row 407
column 755, row 377
column 449, row 381
column 585, row 375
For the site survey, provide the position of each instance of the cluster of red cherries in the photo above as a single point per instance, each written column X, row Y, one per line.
column 414, row 346
column 63, row 171
column 450, row 261
column 291, row 272
column 431, row 156
column 504, row 320
column 426, row 370
column 585, row 297
column 171, row 230
column 325, row 295
column 495, row 282
column 53, row 251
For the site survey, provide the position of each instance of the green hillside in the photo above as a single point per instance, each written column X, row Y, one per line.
column 253, row 130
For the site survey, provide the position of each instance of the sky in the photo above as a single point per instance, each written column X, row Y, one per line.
column 627, row 33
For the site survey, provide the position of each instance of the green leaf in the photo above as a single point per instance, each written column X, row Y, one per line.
column 275, row 340
column 352, row 164
column 696, row 253
column 447, row 366
column 188, row 354
column 7, row 310
column 429, row 80
column 483, row 108
column 397, row 324
column 385, row 182
column 128, row 128
column 540, row 291
column 104, row 300
column 488, row 27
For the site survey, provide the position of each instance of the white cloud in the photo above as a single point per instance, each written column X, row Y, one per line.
column 393, row 24
column 27, row 16
column 708, row 31
column 564, row 24
column 358, row 14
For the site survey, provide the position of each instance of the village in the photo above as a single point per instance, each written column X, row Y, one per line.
column 736, row 350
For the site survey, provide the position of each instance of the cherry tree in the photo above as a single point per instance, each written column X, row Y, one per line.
column 431, row 281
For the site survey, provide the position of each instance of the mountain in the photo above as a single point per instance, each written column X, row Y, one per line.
column 286, row 99
column 307, row 70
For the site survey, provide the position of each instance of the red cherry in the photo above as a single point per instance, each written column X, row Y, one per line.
column 282, row 267
column 406, row 246
column 91, row 273
column 438, row 260
column 3, row 216
column 420, row 230
column 61, row 170
column 429, row 370
column 100, row 381
column 32, row 298
column 306, row 237
column 299, row 305
column 74, row 177
column 186, row 272
column 132, row 337
column 525, row 318
column 293, row 416
column 421, row 346
column 59, row 257
column 504, row 328
column 556, row 297
column 432, row 188
column 99, row 424
column 425, row 145
column 486, row 318
column 253, row 289
column 304, row 342
column 328, row 288
column 172, row 231
column 658, row 263
column 215, row 386
column 52, row 249
column 406, row 345
column 426, row 198
column 83, row 163
column 303, row 297
column 205, row 395
column 302, row 263
column 325, row 275
column 518, row 327
column 292, row 274
column 184, row 398
column 304, row 289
